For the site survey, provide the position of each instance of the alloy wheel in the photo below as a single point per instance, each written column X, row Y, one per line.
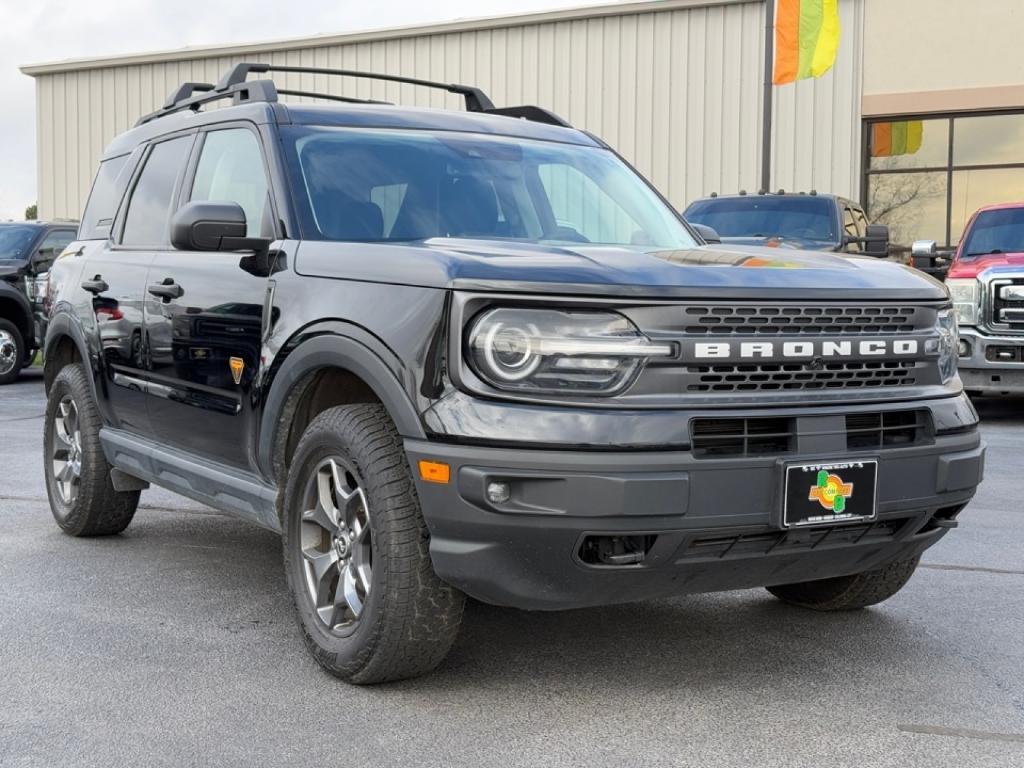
column 335, row 538
column 66, row 450
column 8, row 352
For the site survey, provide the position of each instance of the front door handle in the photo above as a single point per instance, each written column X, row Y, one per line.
column 95, row 286
column 167, row 290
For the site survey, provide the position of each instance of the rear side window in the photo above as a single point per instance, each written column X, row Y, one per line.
column 147, row 222
column 107, row 190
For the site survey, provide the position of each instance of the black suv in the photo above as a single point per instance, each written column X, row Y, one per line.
column 810, row 222
column 452, row 353
column 27, row 250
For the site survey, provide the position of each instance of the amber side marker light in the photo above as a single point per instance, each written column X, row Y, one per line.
column 435, row 471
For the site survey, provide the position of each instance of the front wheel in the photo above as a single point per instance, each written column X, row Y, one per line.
column 356, row 551
column 849, row 593
column 12, row 351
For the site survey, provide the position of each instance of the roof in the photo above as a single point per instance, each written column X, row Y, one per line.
column 755, row 195
column 256, row 49
column 1001, row 206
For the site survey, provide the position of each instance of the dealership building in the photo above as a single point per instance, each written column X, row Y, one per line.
column 921, row 118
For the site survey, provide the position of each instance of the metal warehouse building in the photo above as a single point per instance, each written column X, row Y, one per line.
column 675, row 85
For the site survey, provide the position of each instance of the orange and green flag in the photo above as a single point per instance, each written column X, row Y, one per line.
column 902, row 137
column 806, row 38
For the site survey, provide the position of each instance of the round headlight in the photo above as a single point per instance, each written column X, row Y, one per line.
column 508, row 351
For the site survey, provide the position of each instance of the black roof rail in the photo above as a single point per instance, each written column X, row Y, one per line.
column 236, row 86
column 476, row 100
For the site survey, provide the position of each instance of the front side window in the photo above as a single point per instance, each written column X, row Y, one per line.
column 147, row 222
column 788, row 217
column 403, row 185
column 231, row 170
column 52, row 247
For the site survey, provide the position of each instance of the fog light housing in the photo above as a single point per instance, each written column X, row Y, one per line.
column 964, row 348
column 498, row 492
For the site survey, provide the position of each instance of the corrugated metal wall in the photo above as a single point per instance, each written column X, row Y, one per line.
column 676, row 89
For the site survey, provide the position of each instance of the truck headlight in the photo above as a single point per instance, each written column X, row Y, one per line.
column 949, row 343
column 965, row 295
column 547, row 350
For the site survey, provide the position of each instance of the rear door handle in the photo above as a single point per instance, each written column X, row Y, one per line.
column 167, row 290
column 95, row 286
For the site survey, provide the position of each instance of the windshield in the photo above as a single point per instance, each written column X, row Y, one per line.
column 798, row 218
column 1000, row 231
column 402, row 185
column 15, row 241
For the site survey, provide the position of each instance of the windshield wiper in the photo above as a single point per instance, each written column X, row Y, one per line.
column 993, row 252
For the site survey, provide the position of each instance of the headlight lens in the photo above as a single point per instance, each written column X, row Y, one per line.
column 546, row 350
column 965, row 296
column 949, row 344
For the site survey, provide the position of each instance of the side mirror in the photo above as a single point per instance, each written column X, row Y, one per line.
column 707, row 234
column 876, row 241
column 924, row 249
column 211, row 226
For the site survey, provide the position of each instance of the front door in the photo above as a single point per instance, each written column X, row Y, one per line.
column 204, row 314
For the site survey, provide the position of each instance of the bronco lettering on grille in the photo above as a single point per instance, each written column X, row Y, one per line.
column 749, row 350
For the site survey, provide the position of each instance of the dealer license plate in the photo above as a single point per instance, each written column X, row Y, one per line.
column 826, row 494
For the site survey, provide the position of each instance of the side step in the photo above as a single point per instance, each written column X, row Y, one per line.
column 228, row 489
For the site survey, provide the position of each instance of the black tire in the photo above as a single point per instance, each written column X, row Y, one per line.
column 96, row 508
column 409, row 618
column 849, row 593
column 10, row 331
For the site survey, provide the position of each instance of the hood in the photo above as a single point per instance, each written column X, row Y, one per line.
column 775, row 241
column 702, row 272
column 968, row 268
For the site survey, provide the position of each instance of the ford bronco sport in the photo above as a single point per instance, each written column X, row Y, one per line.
column 452, row 353
column 27, row 249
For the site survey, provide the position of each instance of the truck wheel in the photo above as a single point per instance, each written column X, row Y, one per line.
column 82, row 497
column 12, row 351
column 356, row 552
column 848, row 593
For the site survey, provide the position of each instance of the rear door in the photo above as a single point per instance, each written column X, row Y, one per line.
column 115, row 277
column 204, row 312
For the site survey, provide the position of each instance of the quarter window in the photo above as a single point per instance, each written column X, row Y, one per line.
column 231, row 170
column 147, row 222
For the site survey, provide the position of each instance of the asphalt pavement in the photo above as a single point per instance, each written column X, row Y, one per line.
column 174, row 644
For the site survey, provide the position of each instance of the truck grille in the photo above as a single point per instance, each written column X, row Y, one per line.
column 757, row 320
column 887, row 429
column 799, row 376
column 1007, row 304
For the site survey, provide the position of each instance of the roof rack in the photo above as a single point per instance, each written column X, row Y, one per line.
column 236, row 86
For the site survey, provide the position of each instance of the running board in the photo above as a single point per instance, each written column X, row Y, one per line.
column 230, row 490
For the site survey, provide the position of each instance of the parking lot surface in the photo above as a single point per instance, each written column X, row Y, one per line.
column 174, row 644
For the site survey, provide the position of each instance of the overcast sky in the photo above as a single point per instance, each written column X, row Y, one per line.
column 51, row 30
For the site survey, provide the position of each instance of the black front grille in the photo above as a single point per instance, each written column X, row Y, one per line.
column 887, row 429
column 798, row 540
column 754, row 320
column 714, row 438
column 798, row 376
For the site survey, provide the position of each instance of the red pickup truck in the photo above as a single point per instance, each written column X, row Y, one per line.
column 986, row 282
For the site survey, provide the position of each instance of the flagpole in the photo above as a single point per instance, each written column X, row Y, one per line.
column 766, row 115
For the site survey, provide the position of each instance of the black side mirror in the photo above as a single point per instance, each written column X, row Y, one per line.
column 211, row 226
column 707, row 234
column 876, row 241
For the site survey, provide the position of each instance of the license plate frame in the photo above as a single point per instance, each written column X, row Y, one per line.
column 804, row 506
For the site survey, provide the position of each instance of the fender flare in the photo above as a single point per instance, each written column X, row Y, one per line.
column 61, row 325
column 25, row 315
column 333, row 351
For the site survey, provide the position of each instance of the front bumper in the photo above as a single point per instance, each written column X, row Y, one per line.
column 711, row 524
column 984, row 368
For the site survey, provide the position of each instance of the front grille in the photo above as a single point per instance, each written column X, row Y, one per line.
column 755, row 320
column 717, row 438
column 1007, row 304
column 887, row 429
column 802, row 540
column 799, row 376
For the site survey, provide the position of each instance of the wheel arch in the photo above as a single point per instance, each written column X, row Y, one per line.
column 15, row 307
column 321, row 372
column 64, row 344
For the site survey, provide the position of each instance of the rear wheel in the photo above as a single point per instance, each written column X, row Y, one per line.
column 848, row 593
column 356, row 552
column 12, row 351
column 82, row 497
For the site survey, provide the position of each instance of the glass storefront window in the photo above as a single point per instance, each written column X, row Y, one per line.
column 901, row 144
column 911, row 185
